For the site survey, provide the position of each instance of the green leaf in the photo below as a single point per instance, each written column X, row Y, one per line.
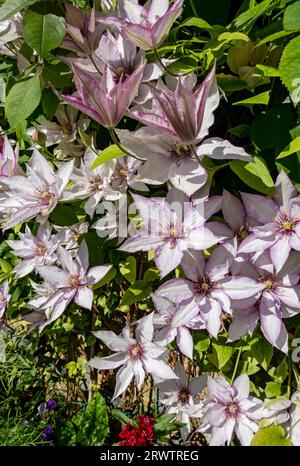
column 92, row 422
column 110, row 153
column 271, row 436
column 251, row 14
column 289, row 68
column 197, row 23
column 137, row 292
column 11, row 7
column 106, row 279
column 5, row 266
column 230, row 83
column 163, row 423
column 262, row 99
column 128, row 268
column 262, row 351
column 58, row 74
column 279, row 373
column 183, row 64
column 50, row 103
column 221, row 355
column 229, row 36
column 201, row 341
column 255, row 174
column 273, row 389
column 151, row 275
column 22, row 100
column 267, row 71
column 293, row 147
column 63, row 216
column 43, row 32
column 291, row 18
column 122, row 417
column 275, row 36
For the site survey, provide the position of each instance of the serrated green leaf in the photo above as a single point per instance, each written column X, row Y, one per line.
column 128, row 268
column 291, row 18
column 110, row 153
column 138, row 291
column 256, row 174
column 270, row 437
column 289, row 68
column 11, row 7
column 262, row 99
column 22, row 100
column 43, row 32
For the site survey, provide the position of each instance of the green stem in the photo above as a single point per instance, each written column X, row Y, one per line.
column 236, row 365
column 163, row 65
column 95, row 65
column 193, row 8
column 119, row 145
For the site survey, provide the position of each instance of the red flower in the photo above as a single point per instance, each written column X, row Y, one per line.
column 138, row 437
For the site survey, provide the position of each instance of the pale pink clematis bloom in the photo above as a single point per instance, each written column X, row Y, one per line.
column 137, row 356
column 170, row 233
column 34, row 250
column 8, row 159
column 278, row 220
column 101, row 97
column 146, row 26
column 4, row 297
column 73, row 281
column 181, row 397
column 37, row 194
column 231, row 409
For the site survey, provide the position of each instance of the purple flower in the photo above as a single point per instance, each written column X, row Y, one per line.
column 181, row 396
column 230, row 410
column 146, row 26
column 34, row 250
column 137, row 356
column 73, row 280
column 4, row 297
column 37, row 194
column 169, row 232
column 102, row 97
column 47, row 433
column 279, row 298
column 51, row 404
column 83, row 32
column 278, row 219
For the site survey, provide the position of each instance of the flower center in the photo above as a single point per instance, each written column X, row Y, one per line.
column 233, row 410
column 41, row 249
column 44, row 195
column 181, row 152
column 286, row 225
column 184, row 396
column 96, row 183
column 135, row 352
column 269, row 282
column 243, row 233
column 75, row 282
column 204, row 286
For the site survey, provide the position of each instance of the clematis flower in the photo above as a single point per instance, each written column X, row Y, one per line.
column 83, row 31
column 166, row 160
column 4, row 297
column 8, row 159
column 69, row 236
column 102, row 98
column 207, row 289
column 294, row 411
column 72, row 281
column 34, row 250
column 174, row 319
column 181, row 396
column 41, row 317
column 170, row 233
column 278, row 219
column 137, row 356
column 230, row 409
column 91, row 184
column 279, row 298
column 37, row 194
column 146, row 26
column 125, row 175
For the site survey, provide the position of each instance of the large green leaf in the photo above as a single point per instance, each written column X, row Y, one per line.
column 43, row 32
column 135, row 293
column 289, row 68
column 255, row 174
column 293, row 147
column 221, row 354
column 262, row 99
column 262, row 351
column 63, row 216
column 128, row 268
column 22, row 100
column 110, row 153
column 291, row 18
column 271, row 436
column 251, row 14
column 11, row 7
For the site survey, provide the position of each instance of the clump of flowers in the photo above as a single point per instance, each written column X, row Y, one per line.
column 141, row 436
